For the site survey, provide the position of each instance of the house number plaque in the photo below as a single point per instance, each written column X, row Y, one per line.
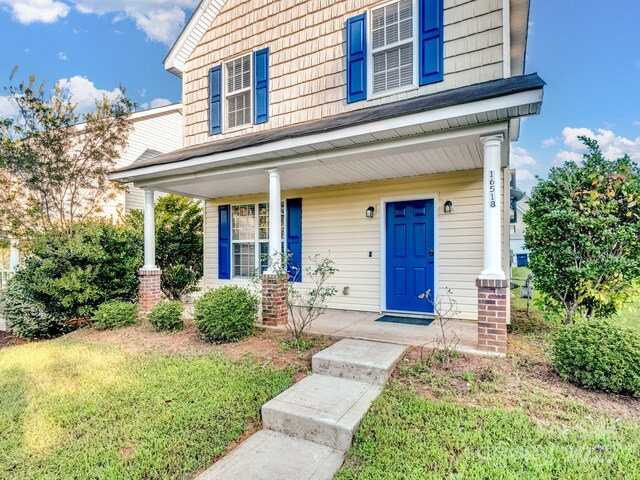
column 492, row 188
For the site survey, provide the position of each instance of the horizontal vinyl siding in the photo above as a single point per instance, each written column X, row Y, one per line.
column 307, row 57
column 334, row 224
column 162, row 133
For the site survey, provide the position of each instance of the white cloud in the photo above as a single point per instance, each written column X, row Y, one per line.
column 143, row 92
column 62, row 55
column 160, row 20
column 612, row 145
column 565, row 156
column 84, row 92
column 520, row 157
column 31, row 11
column 8, row 108
column 636, row 123
column 549, row 142
column 155, row 103
column 525, row 180
column 159, row 102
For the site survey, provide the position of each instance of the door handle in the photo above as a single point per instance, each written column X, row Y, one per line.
column 431, row 261
column 431, row 252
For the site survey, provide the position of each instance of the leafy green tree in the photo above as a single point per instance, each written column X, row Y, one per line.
column 54, row 161
column 583, row 230
column 179, row 244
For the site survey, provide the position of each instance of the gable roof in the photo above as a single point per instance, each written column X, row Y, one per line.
column 191, row 35
column 207, row 10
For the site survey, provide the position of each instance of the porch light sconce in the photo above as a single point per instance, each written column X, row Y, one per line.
column 448, row 206
column 370, row 211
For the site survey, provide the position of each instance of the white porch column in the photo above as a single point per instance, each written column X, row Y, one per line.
column 492, row 268
column 14, row 255
column 275, row 227
column 149, row 231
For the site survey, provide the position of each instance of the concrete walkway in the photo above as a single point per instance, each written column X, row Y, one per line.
column 363, row 325
column 309, row 427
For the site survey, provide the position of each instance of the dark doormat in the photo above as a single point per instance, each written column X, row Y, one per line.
column 406, row 320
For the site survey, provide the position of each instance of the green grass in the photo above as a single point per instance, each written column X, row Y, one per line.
column 75, row 411
column 405, row 436
column 628, row 317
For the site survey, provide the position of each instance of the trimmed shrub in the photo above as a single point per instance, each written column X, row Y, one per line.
column 115, row 314
column 167, row 316
column 600, row 355
column 25, row 317
column 70, row 273
column 226, row 314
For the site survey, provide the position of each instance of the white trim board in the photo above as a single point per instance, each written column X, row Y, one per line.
column 191, row 35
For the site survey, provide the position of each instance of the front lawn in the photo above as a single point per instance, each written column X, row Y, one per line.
column 406, row 436
column 488, row 418
column 629, row 315
column 77, row 409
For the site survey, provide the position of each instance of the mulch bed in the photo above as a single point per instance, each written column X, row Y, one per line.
column 265, row 345
column 6, row 340
column 511, row 382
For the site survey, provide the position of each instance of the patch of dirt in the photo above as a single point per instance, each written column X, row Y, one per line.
column 523, row 380
column 6, row 339
column 266, row 344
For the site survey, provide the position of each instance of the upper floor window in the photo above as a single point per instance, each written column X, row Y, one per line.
column 238, row 91
column 392, row 46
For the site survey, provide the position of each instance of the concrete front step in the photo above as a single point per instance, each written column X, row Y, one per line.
column 321, row 409
column 361, row 360
column 269, row 455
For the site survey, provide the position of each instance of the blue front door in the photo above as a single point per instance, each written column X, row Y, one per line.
column 410, row 255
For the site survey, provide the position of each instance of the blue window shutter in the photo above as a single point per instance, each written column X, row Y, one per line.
column 294, row 237
column 357, row 58
column 224, row 241
column 261, row 86
column 431, row 41
column 215, row 100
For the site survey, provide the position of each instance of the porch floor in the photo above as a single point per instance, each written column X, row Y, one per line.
column 362, row 325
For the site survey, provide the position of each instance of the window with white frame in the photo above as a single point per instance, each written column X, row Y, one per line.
column 238, row 91
column 250, row 237
column 392, row 46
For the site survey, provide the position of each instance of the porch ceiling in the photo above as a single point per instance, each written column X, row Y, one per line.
column 386, row 160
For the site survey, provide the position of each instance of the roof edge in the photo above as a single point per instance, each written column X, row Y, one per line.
column 181, row 50
column 459, row 96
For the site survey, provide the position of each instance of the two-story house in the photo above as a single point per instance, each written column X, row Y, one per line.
column 374, row 132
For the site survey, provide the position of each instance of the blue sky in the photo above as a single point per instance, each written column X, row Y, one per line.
column 588, row 55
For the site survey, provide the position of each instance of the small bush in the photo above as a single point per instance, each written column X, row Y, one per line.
column 226, row 313
column 115, row 314
column 25, row 317
column 167, row 316
column 599, row 354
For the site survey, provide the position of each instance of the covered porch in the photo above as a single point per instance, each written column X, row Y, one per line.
column 438, row 168
column 364, row 326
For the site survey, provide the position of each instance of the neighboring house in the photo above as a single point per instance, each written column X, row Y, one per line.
column 374, row 132
column 155, row 131
column 517, row 233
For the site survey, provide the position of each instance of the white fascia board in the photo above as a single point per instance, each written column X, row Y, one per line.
column 482, row 106
column 181, row 49
column 152, row 112
column 352, row 153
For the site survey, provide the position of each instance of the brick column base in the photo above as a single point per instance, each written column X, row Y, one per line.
column 492, row 315
column 150, row 292
column 275, row 290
